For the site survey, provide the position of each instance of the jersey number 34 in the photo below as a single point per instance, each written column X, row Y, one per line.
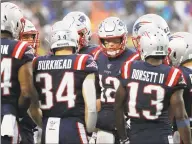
column 66, row 82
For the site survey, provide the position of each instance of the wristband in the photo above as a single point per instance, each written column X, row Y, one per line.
column 183, row 123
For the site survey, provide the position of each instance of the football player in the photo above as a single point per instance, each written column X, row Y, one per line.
column 17, row 89
column 83, row 25
column 181, row 56
column 26, row 124
column 65, row 83
column 148, row 87
column 112, row 34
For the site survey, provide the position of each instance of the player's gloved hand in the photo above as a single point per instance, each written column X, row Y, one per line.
column 128, row 124
column 126, row 141
column 93, row 138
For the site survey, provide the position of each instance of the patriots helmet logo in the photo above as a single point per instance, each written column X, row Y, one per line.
column 139, row 25
column 174, row 36
column 82, row 19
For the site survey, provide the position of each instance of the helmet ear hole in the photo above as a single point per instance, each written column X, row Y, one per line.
column 5, row 17
column 174, row 55
column 102, row 41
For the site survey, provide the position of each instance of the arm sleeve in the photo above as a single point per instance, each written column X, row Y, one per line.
column 181, row 83
column 89, row 94
column 28, row 55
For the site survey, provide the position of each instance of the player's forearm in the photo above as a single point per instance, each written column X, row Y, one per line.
column 185, row 134
column 34, row 108
column 98, row 105
column 91, row 115
column 91, row 119
column 120, row 122
column 24, row 103
column 184, row 129
column 89, row 94
column 183, row 125
column 36, row 115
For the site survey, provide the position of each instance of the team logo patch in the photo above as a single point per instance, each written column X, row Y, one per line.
column 182, row 80
column 30, row 51
column 109, row 66
column 175, row 36
column 139, row 25
column 93, row 64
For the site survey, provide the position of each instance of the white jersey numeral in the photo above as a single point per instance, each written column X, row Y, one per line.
column 66, row 85
column 133, row 94
column 6, row 65
column 108, row 91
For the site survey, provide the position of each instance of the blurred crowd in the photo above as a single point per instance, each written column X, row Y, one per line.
column 43, row 13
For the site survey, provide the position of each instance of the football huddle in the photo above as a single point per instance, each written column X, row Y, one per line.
column 103, row 93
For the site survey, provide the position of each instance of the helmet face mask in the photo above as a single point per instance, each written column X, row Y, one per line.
column 135, row 41
column 32, row 38
column 30, row 34
column 110, row 29
column 83, row 26
column 112, row 46
column 83, row 41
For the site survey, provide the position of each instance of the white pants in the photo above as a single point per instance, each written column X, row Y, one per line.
column 9, row 127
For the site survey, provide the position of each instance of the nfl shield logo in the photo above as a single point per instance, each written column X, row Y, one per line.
column 109, row 66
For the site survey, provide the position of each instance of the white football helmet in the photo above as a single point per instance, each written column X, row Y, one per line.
column 82, row 24
column 30, row 29
column 148, row 19
column 161, row 23
column 63, row 35
column 153, row 43
column 180, row 47
column 112, row 27
column 149, row 27
column 12, row 19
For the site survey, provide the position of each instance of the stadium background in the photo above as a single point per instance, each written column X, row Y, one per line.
column 43, row 13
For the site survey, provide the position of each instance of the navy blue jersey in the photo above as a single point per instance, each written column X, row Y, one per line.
column 90, row 49
column 108, row 70
column 59, row 81
column 93, row 50
column 149, row 89
column 14, row 54
column 187, row 72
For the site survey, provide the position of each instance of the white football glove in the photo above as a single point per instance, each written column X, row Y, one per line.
column 126, row 141
column 93, row 138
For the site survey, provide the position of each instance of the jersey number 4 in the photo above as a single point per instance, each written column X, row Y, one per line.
column 66, row 83
column 133, row 94
column 6, row 84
